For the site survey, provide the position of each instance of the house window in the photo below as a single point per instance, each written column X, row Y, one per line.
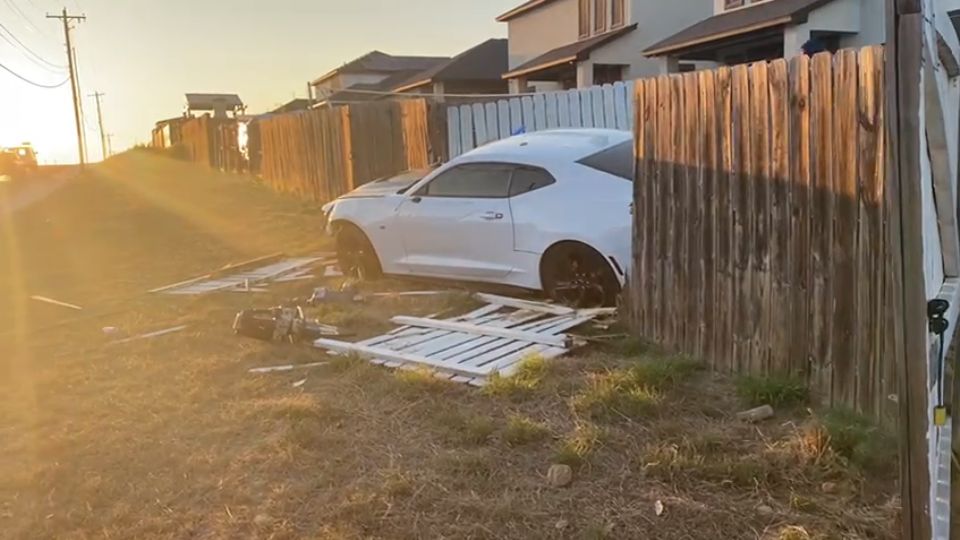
column 584, row 18
column 599, row 16
column 617, row 14
column 730, row 4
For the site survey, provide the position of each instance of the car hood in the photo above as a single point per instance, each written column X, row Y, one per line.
column 387, row 186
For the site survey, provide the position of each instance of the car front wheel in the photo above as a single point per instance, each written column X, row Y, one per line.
column 577, row 275
column 355, row 253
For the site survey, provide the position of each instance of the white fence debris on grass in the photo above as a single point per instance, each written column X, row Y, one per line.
column 470, row 348
column 472, row 125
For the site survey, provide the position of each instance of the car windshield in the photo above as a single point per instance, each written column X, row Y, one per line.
column 405, row 180
column 616, row 160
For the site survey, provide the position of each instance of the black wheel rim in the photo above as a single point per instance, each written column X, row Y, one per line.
column 578, row 284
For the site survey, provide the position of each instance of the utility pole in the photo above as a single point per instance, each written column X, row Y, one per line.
column 109, row 144
column 74, row 85
column 103, row 134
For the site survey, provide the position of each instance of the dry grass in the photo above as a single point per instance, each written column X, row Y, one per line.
column 172, row 438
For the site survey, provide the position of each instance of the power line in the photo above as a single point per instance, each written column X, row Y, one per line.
column 26, row 19
column 26, row 49
column 28, row 81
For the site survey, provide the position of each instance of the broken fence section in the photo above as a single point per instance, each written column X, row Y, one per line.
column 470, row 348
column 280, row 271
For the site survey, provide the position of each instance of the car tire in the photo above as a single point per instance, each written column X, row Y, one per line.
column 576, row 275
column 355, row 253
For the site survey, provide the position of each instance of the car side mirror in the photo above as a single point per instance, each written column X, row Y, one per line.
column 416, row 199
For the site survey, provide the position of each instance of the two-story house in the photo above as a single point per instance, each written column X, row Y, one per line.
column 741, row 31
column 561, row 44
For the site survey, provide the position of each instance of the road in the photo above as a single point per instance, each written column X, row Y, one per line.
column 18, row 194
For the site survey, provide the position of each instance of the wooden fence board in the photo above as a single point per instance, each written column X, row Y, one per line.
column 479, row 124
column 563, row 110
column 596, row 101
column 821, row 83
column 692, row 239
column 586, row 110
column 844, row 247
column 759, row 221
column 575, row 115
column 725, row 333
column 740, row 111
column 609, row 109
column 528, row 123
column 466, row 128
column 620, row 100
column 801, row 200
column 779, row 232
column 539, row 112
column 493, row 126
column 551, row 104
column 453, row 131
column 708, row 202
column 503, row 119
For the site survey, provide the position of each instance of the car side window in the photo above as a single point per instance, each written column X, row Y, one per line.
column 479, row 181
column 527, row 179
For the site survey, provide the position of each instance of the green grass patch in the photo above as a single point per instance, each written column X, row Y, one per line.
column 859, row 440
column 422, row 380
column 577, row 448
column 663, row 373
column 776, row 391
column 474, row 430
column 527, row 378
column 521, row 430
column 615, row 394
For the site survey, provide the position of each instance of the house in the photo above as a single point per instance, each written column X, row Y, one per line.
column 369, row 76
column 478, row 70
column 561, row 44
column 295, row 104
column 741, row 31
column 217, row 104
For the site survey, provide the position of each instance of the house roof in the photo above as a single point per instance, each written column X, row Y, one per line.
column 525, row 7
column 572, row 52
column 737, row 22
column 486, row 61
column 371, row 91
column 203, row 102
column 380, row 62
column 296, row 104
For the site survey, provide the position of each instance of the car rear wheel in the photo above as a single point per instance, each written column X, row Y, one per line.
column 577, row 275
column 355, row 253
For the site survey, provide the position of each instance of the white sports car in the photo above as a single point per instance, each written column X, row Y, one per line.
column 548, row 211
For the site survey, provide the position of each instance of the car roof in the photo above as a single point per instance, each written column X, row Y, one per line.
column 554, row 145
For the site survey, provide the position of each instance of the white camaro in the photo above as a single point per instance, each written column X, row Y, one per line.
column 548, row 211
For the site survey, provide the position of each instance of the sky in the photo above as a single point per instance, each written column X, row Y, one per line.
column 144, row 55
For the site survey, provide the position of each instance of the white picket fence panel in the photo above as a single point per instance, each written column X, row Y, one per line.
column 608, row 106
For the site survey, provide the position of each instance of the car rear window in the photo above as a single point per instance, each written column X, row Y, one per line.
column 617, row 160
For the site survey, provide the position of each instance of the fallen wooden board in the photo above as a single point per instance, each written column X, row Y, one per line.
column 524, row 304
column 483, row 330
column 51, row 301
column 289, row 367
column 219, row 272
column 158, row 333
column 378, row 352
column 250, row 278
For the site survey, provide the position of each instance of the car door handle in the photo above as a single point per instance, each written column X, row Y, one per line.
column 492, row 216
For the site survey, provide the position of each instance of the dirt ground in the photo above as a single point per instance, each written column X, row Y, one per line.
column 172, row 437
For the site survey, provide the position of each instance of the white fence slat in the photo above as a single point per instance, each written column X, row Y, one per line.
column 596, row 96
column 552, row 112
column 631, row 116
column 503, row 118
column 493, row 132
column 526, row 103
column 516, row 116
column 573, row 96
column 563, row 109
column 453, row 131
column 609, row 108
column 466, row 129
column 620, row 105
column 586, row 108
column 480, row 124
column 540, row 111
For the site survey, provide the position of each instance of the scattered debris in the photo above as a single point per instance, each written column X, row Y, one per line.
column 46, row 300
column 764, row 510
column 658, row 507
column 332, row 271
column 282, row 323
column 289, row 367
column 158, row 333
column 560, row 475
column 110, row 330
column 828, row 487
column 561, row 524
column 407, row 293
column 756, row 415
column 323, row 295
column 245, row 281
column 472, row 347
column 299, row 383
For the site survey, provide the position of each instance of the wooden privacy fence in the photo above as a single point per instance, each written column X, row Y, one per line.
column 759, row 238
column 473, row 125
column 323, row 153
